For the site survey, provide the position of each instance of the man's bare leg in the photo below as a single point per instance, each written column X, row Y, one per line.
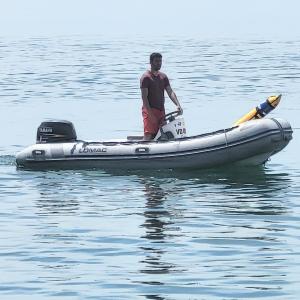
column 148, row 137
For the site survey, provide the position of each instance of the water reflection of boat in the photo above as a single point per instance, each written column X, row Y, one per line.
column 217, row 214
column 57, row 193
column 158, row 228
column 234, row 176
column 238, row 190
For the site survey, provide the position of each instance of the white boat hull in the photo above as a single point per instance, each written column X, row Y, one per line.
column 251, row 143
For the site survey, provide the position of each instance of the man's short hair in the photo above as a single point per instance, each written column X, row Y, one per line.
column 155, row 55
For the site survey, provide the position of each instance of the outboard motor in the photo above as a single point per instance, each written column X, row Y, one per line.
column 56, row 131
column 174, row 128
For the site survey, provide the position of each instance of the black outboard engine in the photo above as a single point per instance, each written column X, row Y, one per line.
column 56, row 131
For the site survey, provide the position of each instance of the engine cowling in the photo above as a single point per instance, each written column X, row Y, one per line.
column 56, row 131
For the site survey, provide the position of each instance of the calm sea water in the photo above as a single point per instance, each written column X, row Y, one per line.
column 217, row 234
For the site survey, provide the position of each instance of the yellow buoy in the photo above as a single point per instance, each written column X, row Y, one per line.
column 261, row 110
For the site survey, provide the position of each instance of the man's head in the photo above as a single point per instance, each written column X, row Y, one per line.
column 155, row 61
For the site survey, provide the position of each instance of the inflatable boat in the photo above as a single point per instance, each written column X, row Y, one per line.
column 249, row 143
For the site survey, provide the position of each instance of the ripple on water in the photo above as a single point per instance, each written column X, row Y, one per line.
column 220, row 234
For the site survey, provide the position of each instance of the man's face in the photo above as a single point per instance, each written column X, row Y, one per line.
column 156, row 63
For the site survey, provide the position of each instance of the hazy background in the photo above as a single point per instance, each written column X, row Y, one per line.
column 198, row 18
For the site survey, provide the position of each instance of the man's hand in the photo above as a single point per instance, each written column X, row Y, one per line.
column 179, row 109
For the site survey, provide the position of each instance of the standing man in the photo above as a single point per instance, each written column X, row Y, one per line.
column 153, row 85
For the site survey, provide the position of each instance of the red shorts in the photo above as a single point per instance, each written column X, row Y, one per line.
column 149, row 127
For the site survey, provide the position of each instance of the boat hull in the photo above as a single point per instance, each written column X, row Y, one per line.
column 251, row 143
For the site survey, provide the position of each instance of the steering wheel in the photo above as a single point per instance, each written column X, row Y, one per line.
column 172, row 115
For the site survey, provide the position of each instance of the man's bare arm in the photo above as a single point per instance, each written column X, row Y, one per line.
column 173, row 97
column 145, row 98
column 147, row 105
